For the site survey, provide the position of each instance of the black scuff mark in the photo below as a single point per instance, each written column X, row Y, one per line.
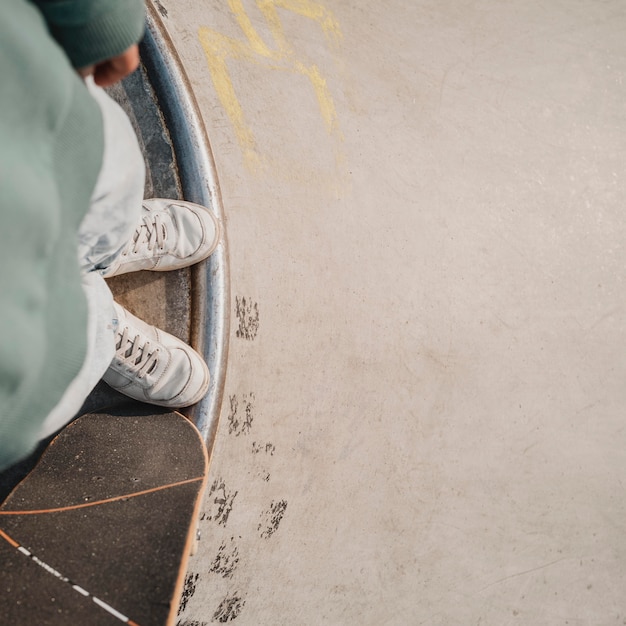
column 268, row 448
column 191, row 582
column 229, row 609
column 161, row 8
column 222, row 503
column 240, row 421
column 247, row 313
column 227, row 559
column 271, row 519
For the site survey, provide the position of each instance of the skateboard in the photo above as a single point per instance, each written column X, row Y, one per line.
column 101, row 530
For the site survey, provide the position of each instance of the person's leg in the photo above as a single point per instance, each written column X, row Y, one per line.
column 100, row 352
column 106, row 228
column 116, row 201
column 123, row 233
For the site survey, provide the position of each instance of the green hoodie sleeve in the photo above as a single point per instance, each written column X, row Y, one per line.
column 91, row 31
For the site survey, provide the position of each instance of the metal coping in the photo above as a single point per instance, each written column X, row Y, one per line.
column 210, row 303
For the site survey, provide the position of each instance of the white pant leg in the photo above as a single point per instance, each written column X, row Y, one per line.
column 108, row 225
column 116, row 201
column 100, row 352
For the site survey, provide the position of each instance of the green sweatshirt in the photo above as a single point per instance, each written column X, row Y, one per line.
column 51, row 147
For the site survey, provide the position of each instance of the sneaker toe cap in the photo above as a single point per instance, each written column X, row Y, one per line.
column 197, row 230
column 185, row 380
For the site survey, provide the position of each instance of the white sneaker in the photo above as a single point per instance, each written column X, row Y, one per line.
column 153, row 366
column 171, row 234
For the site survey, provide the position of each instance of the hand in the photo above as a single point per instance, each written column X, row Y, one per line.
column 111, row 71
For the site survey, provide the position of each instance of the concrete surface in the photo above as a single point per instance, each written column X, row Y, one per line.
column 423, row 417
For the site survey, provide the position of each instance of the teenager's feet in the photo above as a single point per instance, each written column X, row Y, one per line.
column 171, row 234
column 153, row 366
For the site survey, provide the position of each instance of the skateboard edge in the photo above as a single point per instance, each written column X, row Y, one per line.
column 191, row 535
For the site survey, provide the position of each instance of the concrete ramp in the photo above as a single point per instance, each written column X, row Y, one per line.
column 423, row 418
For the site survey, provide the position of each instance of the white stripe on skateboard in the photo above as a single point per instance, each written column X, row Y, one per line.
column 57, row 574
column 80, row 590
column 110, row 609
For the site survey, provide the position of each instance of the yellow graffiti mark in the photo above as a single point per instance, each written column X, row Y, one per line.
column 256, row 43
column 310, row 10
column 219, row 49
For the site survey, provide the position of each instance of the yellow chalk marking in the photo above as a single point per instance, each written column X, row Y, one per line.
column 256, row 43
column 310, row 10
column 219, row 48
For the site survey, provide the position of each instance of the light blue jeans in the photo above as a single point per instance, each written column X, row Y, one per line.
column 109, row 224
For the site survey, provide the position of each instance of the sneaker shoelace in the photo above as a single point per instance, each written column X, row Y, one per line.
column 152, row 232
column 137, row 357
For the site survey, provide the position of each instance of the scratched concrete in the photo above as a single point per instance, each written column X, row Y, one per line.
column 423, row 417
